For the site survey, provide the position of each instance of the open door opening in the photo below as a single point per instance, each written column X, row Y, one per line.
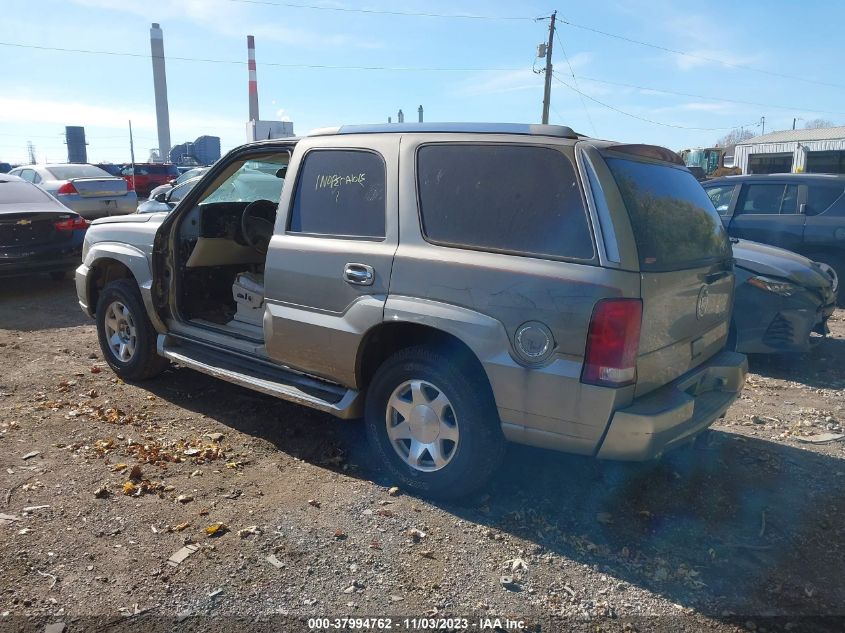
column 221, row 246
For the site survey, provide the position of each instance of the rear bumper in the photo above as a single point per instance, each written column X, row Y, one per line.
column 672, row 415
column 43, row 258
column 93, row 208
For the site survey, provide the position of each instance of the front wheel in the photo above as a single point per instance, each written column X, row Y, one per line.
column 432, row 422
column 126, row 336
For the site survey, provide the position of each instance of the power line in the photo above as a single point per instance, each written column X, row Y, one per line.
column 635, row 116
column 243, row 63
column 413, row 14
column 698, row 96
column 701, row 57
column 575, row 81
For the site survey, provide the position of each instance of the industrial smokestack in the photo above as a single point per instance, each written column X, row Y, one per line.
column 160, row 87
column 75, row 139
column 420, row 112
column 253, row 80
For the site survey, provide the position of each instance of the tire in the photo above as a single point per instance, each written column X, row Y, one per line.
column 838, row 264
column 58, row 275
column 137, row 359
column 470, row 417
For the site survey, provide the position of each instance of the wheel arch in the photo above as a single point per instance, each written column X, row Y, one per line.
column 108, row 264
column 472, row 337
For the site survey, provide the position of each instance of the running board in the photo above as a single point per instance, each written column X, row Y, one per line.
column 261, row 376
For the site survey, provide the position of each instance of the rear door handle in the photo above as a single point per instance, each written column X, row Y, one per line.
column 359, row 274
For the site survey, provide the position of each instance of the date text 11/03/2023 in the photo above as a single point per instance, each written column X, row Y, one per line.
column 416, row 624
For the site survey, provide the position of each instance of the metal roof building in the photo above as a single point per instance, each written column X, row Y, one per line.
column 816, row 150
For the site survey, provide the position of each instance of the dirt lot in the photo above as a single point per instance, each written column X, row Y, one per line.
column 722, row 538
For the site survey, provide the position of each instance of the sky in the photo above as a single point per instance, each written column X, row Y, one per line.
column 459, row 69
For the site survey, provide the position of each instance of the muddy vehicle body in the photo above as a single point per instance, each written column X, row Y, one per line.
column 457, row 285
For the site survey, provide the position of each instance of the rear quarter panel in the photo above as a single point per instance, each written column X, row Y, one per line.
column 505, row 291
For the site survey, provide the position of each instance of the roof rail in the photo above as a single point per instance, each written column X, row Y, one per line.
column 532, row 129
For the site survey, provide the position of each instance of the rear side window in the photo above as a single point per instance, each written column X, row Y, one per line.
column 675, row 225
column 340, row 193
column 163, row 170
column 67, row 172
column 768, row 199
column 825, row 198
column 503, row 198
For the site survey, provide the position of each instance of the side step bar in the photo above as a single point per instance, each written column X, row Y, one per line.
column 261, row 376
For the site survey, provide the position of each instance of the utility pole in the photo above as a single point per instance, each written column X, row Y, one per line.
column 763, row 121
column 132, row 153
column 547, row 93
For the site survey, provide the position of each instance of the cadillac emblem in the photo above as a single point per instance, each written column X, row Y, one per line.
column 703, row 301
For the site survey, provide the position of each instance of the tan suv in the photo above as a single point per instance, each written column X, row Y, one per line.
column 457, row 285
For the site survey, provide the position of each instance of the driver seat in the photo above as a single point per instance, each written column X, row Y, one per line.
column 248, row 292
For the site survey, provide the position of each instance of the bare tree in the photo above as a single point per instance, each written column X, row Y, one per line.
column 816, row 123
column 733, row 137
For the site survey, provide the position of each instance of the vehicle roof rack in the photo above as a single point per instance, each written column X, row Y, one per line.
column 532, row 129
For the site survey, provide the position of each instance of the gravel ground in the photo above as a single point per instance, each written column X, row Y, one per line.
column 102, row 482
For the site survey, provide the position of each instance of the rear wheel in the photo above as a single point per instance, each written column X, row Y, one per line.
column 126, row 336
column 432, row 423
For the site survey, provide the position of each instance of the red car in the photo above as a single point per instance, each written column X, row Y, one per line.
column 148, row 176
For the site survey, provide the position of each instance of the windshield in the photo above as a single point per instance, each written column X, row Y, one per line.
column 252, row 180
column 695, row 158
column 67, row 172
column 674, row 222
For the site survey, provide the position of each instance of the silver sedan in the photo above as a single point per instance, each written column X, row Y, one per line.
column 86, row 189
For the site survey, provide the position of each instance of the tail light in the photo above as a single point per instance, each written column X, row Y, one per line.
column 613, row 342
column 130, row 185
column 71, row 224
column 66, row 189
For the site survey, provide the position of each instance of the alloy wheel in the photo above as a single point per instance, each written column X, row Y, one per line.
column 121, row 333
column 422, row 425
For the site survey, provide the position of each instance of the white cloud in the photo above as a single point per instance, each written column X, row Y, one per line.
column 282, row 115
column 184, row 124
column 490, row 83
column 705, row 107
column 699, row 57
column 231, row 19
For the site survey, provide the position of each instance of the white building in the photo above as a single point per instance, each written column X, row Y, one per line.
column 816, row 151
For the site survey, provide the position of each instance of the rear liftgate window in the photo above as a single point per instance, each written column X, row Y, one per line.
column 675, row 224
column 511, row 199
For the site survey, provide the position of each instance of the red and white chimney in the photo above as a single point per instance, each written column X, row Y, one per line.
column 253, row 81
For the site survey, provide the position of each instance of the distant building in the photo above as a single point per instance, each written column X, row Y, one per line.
column 203, row 151
column 264, row 130
column 812, row 151
column 207, row 149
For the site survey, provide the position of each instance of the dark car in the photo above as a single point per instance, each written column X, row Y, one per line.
column 166, row 200
column 782, row 300
column 148, row 176
column 803, row 213
column 185, row 176
column 37, row 232
column 111, row 168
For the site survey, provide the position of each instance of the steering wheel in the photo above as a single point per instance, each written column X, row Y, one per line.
column 256, row 228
